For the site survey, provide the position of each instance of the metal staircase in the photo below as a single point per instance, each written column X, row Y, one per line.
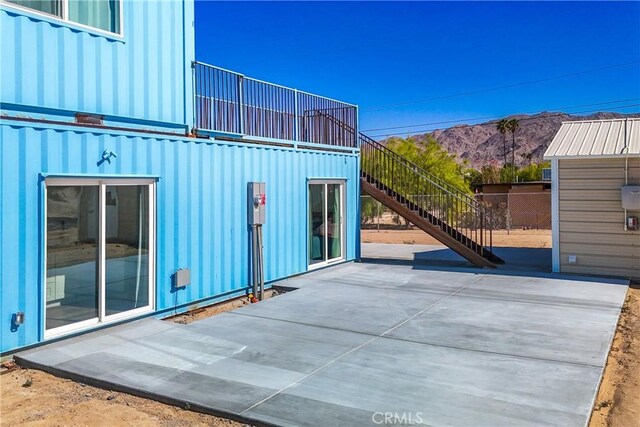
column 445, row 212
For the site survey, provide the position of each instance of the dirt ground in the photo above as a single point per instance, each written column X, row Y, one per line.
column 212, row 310
column 618, row 401
column 513, row 239
column 35, row 398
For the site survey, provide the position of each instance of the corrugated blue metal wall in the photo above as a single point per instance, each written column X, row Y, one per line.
column 201, row 209
column 146, row 75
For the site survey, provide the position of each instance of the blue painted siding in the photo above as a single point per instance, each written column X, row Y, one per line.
column 145, row 75
column 201, row 209
column 51, row 70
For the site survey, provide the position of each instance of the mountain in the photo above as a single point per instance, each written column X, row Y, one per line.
column 481, row 144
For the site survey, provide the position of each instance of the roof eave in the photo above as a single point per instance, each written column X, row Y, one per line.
column 590, row 156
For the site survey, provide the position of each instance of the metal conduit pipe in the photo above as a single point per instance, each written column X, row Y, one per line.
column 256, row 211
column 254, row 259
column 260, row 263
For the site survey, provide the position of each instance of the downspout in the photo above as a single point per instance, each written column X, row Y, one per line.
column 555, row 216
column 626, row 167
column 357, row 238
column 188, row 71
column 184, row 61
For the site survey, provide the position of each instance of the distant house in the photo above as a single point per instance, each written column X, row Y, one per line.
column 596, row 197
column 517, row 205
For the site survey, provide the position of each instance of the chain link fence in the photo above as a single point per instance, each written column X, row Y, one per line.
column 508, row 211
column 375, row 215
column 523, row 211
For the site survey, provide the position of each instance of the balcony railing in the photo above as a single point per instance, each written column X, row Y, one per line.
column 232, row 103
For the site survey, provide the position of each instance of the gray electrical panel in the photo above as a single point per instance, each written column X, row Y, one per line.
column 631, row 197
column 182, row 277
column 257, row 203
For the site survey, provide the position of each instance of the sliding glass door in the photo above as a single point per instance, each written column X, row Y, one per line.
column 99, row 251
column 72, row 256
column 127, row 248
column 326, row 212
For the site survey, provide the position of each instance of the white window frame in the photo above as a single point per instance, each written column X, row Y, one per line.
column 103, row 318
column 343, row 239
column 65, row 17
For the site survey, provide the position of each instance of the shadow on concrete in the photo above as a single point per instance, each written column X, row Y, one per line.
column 520, row 262
column 538, row 259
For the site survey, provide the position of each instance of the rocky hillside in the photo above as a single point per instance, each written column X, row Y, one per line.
column 481, row 144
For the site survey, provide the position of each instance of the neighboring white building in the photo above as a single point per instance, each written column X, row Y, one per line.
column 592, row 164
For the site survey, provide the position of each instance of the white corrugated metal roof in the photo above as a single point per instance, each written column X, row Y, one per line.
column 596, row 138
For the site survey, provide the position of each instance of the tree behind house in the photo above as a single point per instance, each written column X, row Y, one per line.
column 430, row 156
column 503, row 128
column 513, row 125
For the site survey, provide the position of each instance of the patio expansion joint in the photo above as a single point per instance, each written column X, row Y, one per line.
column 427, row 343
column 550, row 304
column 368, row 286
column 364, row 344
column 497, row 353
column 480, row 297
column 313, row 325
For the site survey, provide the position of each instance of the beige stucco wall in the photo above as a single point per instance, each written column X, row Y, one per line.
column 591, row 219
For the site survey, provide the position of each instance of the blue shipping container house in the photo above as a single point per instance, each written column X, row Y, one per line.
column 125, row 166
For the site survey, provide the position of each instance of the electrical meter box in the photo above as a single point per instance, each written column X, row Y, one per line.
column 257, row 203
column 182, row 278
column 631, row 197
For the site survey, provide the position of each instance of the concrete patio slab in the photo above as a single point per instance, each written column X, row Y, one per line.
column 549, row 289
column 355, row 341
column 443, row 386
column 381, row 276
column 351, row 308
column 516, row 328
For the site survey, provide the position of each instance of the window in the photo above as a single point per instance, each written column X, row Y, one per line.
column 51, row 7
column 100, row 14
column 99, row 251
column 326, row 225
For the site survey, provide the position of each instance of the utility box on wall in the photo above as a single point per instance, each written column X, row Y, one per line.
column 631, row 197
column 182, row 278
column 257, row 207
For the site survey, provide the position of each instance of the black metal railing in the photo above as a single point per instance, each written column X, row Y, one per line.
column 226, row 101
column 451, row 209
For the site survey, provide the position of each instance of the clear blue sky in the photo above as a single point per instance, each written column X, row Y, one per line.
column 379, row 54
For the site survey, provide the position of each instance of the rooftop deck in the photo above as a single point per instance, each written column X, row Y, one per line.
column 234, row 105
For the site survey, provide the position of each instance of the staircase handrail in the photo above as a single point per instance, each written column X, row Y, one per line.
column 438, row 182
column 447, row 188
column 454, row 209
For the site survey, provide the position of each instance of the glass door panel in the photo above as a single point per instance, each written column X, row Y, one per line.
column 317, row 220
column 126, row 210
column 326, row 234
column 334, row 221
column 71, row 293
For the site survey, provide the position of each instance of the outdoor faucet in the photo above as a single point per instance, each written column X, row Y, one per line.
column 107, row 155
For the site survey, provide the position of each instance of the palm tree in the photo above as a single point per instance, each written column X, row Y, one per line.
column 513, row 125
column 502, row 127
